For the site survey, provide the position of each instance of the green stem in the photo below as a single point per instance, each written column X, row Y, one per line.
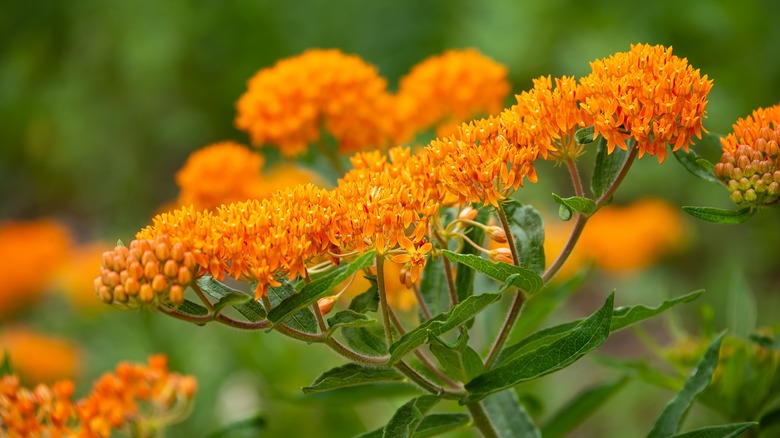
column 481, row 420
column 380, row 281
column 447, row 270
column 354, row 356
column 421, row 301
column 202, row 297
column 426, row 384
column 575, row 177
column 243, row 325
column 510, row 240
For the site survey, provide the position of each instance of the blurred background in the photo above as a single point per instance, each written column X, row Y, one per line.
column 102, row 102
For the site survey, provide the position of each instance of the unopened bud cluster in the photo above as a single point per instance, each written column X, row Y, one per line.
column 751, row 172
column 148, row 272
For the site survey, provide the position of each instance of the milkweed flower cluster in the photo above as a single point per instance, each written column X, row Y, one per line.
column 646, row 94
column 452, row 88
column 750, row 164
column 132, row 396
column 287, row 104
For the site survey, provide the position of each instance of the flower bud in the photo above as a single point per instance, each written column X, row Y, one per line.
column 503, row 254
column 171, row 268
column 105, row 294
column 744, row 184
column 120, row 294
column 736, row 197
column 161, row 251
column 497, row 234
column 159, row 283
column 468, row 213
column 132, row 286
column 147, row 257
column 733, row 185
column 107, row 260
column 176, row 294
column 773, row 189
column 184, row 276
column 146, row 294
column 178, row 252
column 326, row 304
column 405, row 277
column 750, row 196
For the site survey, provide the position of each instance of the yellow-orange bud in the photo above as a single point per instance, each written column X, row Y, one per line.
column 184, row 276
column 150, row 270
column 146, row 294
column 171, row 268
column 162, row 251
column 501, row 255
column 120, row 294
column 326, row 304
column 468, row 213
column 132, row 286
column 497, row 234
column 178, row 252
column 159, row 283
column 176, row 294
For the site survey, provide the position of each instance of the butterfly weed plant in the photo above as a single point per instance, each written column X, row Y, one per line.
column 441, row 214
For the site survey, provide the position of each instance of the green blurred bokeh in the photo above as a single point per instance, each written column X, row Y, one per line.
column 101, row 102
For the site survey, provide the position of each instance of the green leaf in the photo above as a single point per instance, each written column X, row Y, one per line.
column 539, row 306
column 458, row 360
column 508, row 417
column 363, row 341
column 190, row 308
column 526, row 279
column 584, row 206
column 584, row 135
column 527, row 227
column 671, row 418
column 249, row 308
column 585, row 337
column 348, row 318
column 441, row 323
column 437, row 424
column 720, row 216
column 622, row 317
column 408, row 417
column 768, row 342
column 608, row 166
column 254, row 425
column 5, row 366
column 580, row 408
column 725, row 431
column 318, row 288
column 742, row 307
column 464, row 275
column 368, row 301
column 696, row 165
column 303, row 320
column 433, row 287
column 640, row 369
column 352, row 374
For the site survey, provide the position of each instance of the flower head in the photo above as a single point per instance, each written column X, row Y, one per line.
column 750, row 164
column 646, row 94
column 286, row 104
column 452, row 88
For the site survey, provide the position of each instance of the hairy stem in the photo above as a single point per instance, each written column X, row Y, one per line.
column 481, row 420
column 421, row 301
column 447, row 270
column 575, row 177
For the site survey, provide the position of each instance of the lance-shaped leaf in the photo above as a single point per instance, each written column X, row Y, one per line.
column 671, row 418
column 303, row 319
column 362, row 340
column 525, row 279
column 585, row 337
column 318, row 288
column 725, row 431
column 622, row 317
column 720, row 216
column 407, row 418
column 608, row 166
column 352, row 374
column 580, row 408
column 458, row 360
column 584, row 135
column 190, row 308
column 464, row 274
column 640, row 369
column 433, row 287
column 227, row 296
column 696, row 165
column 527, row 226
column 577, row 204
column 441, row 323
column 348, row 318
column 508, row 417
column 437, row 424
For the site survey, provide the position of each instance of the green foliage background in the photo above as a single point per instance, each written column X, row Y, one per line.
column 101, row 102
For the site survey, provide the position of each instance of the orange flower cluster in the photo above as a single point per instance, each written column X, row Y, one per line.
column 750, row 164
column 115, row 403
column 646, row 94
column 285, row 104
column 31, row 253
column 150, row 272
column 619, row 238
column 39, row 358
column 452, row 88
column 219, row 173
column 227, row 172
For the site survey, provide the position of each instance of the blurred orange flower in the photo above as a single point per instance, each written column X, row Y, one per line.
column 39, row 358
column 76, row 277
column 31, row 253
column 619, row 238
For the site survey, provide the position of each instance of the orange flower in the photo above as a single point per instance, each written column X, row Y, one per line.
column 39, row 358
column 750, row 164
column 451, row 88
column 31, row 253
column 646, row 94
column 285, row 104
column 413, row 259
column 218, row 174
column 134, row 397
column 619, row 239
